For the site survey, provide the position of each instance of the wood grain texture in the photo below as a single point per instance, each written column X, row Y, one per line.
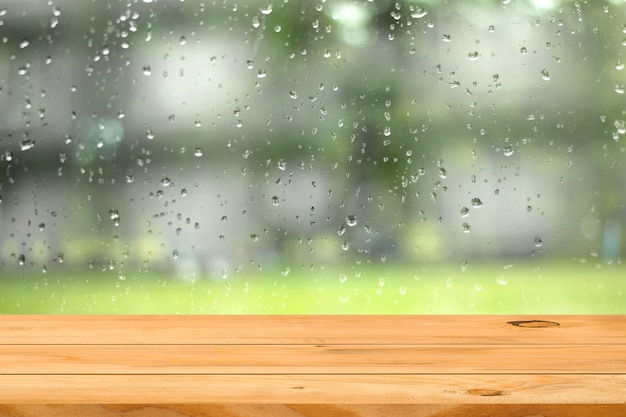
column 311, row 359
column 316, row 360
column 336, row 329
column 313, row 389
column 312, row 410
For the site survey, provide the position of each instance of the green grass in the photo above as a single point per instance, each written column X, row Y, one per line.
column 487, row 288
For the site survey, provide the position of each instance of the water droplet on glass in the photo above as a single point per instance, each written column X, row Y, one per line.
column 147, row 70
column 418, row 13
column 293, row 94
column 115, row 216
column 42, row 226
column 275, row 200
column 24, row 44
column 198, row 152
column 446, row 38
column 282, row 165
column 545, row 74
column 619, row 89
column 620, row 125
column 285, row 271
column 266, row 9
column 21, row 260
column 492, row 28
column 27, row 144
column 254, row 237
column 466, row 227
column 508, row 150
column 442, row 173
column 619, row 65
column 538, row 242
column 166, row 182
column 473, row 55
column 341, row 230
column 387, row 131
column 345, row 245
column 476, row 202
column 351, row 220
column 465, row 212
column 478, row 287
column 523, row 50
column 261, row 74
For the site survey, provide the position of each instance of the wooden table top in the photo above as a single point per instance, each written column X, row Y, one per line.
column 430, row 362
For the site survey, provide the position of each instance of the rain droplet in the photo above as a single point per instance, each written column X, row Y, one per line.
column 466, row 227
column 282, row 165
column 476, row 202
column 345, row 245
column 619, row 89
column 198, row 152
column 473, row 55
column 266, row 9
column 538, row 242
column 24, row 43
column 465, row 212
column 620, row 125
column 619, row 65
column 254, row 237
column 115, row 216
column 166, row 182
column 523, row 50
column 545, row 74
column 508, row 150
column 275, row 200
column 443, row 173
column 27, row 144
column 387, row 131
column 446, row 38
column 285, row 271
column 418, row 13
column 351, row 220
column 21, row 260
column 147, row 70
column 261, row 74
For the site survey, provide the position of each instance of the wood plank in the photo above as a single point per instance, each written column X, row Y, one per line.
column 311, row 359
column 313, row 410
column 313, row 389
column 41, row 329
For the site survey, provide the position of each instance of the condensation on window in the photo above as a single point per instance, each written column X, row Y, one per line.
column 164, row 156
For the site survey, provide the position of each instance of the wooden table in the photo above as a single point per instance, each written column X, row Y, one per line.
column 435, row 366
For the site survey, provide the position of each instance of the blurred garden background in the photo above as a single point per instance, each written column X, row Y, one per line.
column 282, row 157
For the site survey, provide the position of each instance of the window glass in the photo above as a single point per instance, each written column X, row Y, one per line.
column 339, row 156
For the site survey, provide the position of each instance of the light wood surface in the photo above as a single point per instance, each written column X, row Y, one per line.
column 313, row 365
column 348, row 329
